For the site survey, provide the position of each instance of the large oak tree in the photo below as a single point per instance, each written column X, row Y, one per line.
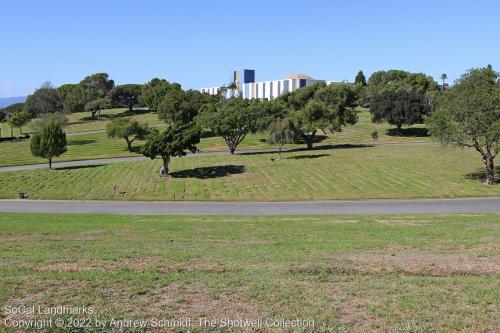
column 468, row 114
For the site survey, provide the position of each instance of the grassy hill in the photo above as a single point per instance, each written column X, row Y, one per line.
column 342, row 172
column 97, row 145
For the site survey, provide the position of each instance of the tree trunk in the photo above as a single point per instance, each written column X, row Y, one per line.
column 130, row 107
column 11, row 132
column 490, row 169
column 232, row 150
column 279, row 152
column 399, row 129
column 309, row 139
column 164, row 167
column 129, row 144
column 50, row 162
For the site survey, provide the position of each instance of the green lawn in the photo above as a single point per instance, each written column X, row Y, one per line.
column 413, row 273
column 80, row 147
column 81, row 121
column 97, row 145
column 344, row 173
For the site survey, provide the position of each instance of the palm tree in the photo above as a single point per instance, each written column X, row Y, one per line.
column 233, row 87
column 443, row 77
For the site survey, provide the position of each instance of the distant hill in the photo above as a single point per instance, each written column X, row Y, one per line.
column 6, row 101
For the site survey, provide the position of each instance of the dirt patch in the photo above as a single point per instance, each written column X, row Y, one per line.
column 195, row 300
column 140, row 265
column 425, row 263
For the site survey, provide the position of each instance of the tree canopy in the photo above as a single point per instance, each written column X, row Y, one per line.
column 468, row 114
column 174, row 141
column 73, row 97
column 129, row 130
column 182, row 106
column 154, row 92
column 231, row 119
column 387, row 81
column 126, row 95
column 49, row 142
column 321, row 107
column 44, row 100
column 95, row 106
column 282, row 131
column 360, row 79
column 399, row 107
column 96, row 86
column 18, row 119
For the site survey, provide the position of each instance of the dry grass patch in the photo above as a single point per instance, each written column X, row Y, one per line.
column 425, row 263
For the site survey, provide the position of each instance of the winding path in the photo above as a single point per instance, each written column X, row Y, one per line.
column 420, row 206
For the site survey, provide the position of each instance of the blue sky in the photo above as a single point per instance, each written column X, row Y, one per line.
column 197, row 43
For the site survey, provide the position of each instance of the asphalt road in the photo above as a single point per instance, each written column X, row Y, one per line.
column 431, row 206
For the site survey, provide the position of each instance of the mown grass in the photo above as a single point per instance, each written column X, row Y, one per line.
column 99, row 146
column 81, row 121
column 413, row 273
column 80, row 147
column 348, row 172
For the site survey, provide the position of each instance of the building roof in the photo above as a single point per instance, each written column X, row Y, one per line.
column 298, row 76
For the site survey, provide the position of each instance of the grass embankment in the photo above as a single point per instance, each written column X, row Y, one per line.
column 82, row 121
column 345, row 173
column 97, row 145
column 417, row 273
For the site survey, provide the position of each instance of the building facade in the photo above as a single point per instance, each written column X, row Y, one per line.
column 246, row 87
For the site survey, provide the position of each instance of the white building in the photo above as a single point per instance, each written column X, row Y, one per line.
column 246, row 86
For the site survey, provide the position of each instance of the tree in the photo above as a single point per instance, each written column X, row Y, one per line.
column 95, row 106
column 360, row 79
column 231, row 119
column 127, row 129
column 443, row 77
column 468, row 115
column 174, row 141
column 50, row 142
column 8, row 111
column 154, row 92
column 321, row 107
column 126, row 95
column 182, row 106
column 282, row 131
column 73, row 97
column 44, row 100
column 96, row 86
column 398, row 108
column 18, row 119
column 381, row 82
column 17, row 107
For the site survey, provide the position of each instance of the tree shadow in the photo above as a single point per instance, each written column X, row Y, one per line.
column 317, row 139
column 301, row 157
column 480, row 175
column 302, row 149
column 76, row 167
column 209, row 172
column 126, row 113
column 417, row 132
column 81, row 142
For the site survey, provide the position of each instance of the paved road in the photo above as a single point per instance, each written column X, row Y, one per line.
column 474, row 205
column 137, row 158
